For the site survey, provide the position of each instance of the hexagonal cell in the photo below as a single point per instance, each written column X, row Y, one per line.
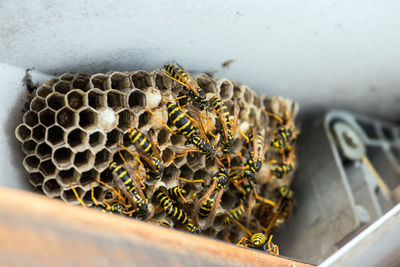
column 81, row 81
column 56, row 101
column 51, row 188
column 266, row 101
column 256, row 100
column 97, row 139
column 115, row 100
column 113, row 138
column 136, row 100
column 69, row 195
column 141, row 79
column 179, row 161
column 63, row 157
column 47, row 167
column 186, row 172
column 77, row 139
column 47, row 117
column 43, row 150
column 37, row 104
column 31, row 118
column 36, row 178
column 65, row 177
column 106, row 176
column 144, row 119
column 38, row 133
column 102, row 158
column 167, row 155
column 225, row 89
column 237, row 91
column 120, row 81
column 210, row 164
column 200, row 174
column 76, row 99
column 55, row 135
column 248, row 95
column 31, row 163
column 170, row 173
column 125, row 119
column 29, row 146
column 84, row 160
column 196, row 161
column 163, row 136
column 66, row 117
column 207, row 84
column 44, row 91
column 97, row 99
column 97, row 192
column 101, row 82
column 252, row 116
column 88, row 177
column 178, row 140
column 161, row 82
column 23, row 132
column 88, row 118
column 66, row 77
column 62, row 87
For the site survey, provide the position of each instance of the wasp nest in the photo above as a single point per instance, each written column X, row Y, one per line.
column 75, row 123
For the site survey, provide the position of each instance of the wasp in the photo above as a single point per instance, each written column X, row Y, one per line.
column 254, row 162
column 176, row 193
column 131, row 189
column 282, row 169
column 148, row 152
column 234, row 213
column 226, row 128
column 174, row 212
column 193, row 90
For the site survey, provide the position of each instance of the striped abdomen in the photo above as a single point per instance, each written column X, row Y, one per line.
column 251, row 168
column 140, row 141
column 176, row 73
column 171, row 211
column 221, row 108
column 222, row 178
column 234, row 213
column 204, row 146
column 180, row 120
column 258, row 240
column 206, row 207
column 176, row 192
column 281, row 170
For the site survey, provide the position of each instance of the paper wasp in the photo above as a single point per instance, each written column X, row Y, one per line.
column 193, row 90
column 174, row 212
column 234, row 213
column 254, row 161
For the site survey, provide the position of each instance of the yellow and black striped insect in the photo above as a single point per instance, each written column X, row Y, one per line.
column 193, row 90
column 131, row 189
column 176, row 193
column 185, row 126
column 149, row 154
column 205, row 208
column 174, row 212
column 254, row 162
column 234, row 213
column 282, row 169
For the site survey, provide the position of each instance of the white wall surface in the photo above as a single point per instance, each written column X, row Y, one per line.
column 322, row 53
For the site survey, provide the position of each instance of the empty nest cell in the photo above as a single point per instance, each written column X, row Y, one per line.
column 141, row 79
column 62, row 87
column 51, row 187
column 55, row 101
column 84, row 160
column 29, row 147
column 81, row 81
column 88, row 118
column 66, row 118
column 55, row 135
column 136, row 100
column 62, row 157
column 76, row 99
column 43, row 91
column 120, row 81
column 115, row 100
column 31, row 118
column 47, row 117
column 97, row 139
column 23, row 132
column 37, row 104
column 101, row 82
column 43, row 150
column 96, row 99
column 66, row 177
column 38, row 133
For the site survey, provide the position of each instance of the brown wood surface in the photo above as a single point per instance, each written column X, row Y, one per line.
column 37, row 231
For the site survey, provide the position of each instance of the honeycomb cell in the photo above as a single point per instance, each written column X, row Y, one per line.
column 51, row 188
column 47, row 117
column 31, row 118
column 66, row 177
column 89, row 177
column 81, row 81
column 106, row 176
column 36, row 178
column 196, row 161
column 62, row 157
column 69, row 195
column 154, row 121
column 55, row 135
column 43, row 150
column 178, row 140
column 179, row 161
column 210, row 164
column 144, row 119
column 101, row 82
column 237, row 91
column 248, row 95
column 170, row 173
column 113, row 138
column 77, row 139
column 167, row 155
column 125, row 119
column 107, row 119
column 200, row 174
column 66, row 118
column 136, row 100
column 207, row 84
column 102, row 158
column 97, row 99
column 66, row 77
column 115, row 100
column 186, row 172
column 47, row 167
column 120, row 81
column 37, row 104
column 141, row 79
column 62, row 87
column 23, row 132
column 252, row 116
column 153, row 97
column 43, row 91
column 87, row 198
column 256, row 100
column 31, row 163
column 88, row 118
column 29, row 147
column 38, row 133
column 76, row 99
column 162, row 83
column 56, row 101
column 266, row 101
column 163, row 136
column 84, row 160
column 225, row 89
column 97, row 139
